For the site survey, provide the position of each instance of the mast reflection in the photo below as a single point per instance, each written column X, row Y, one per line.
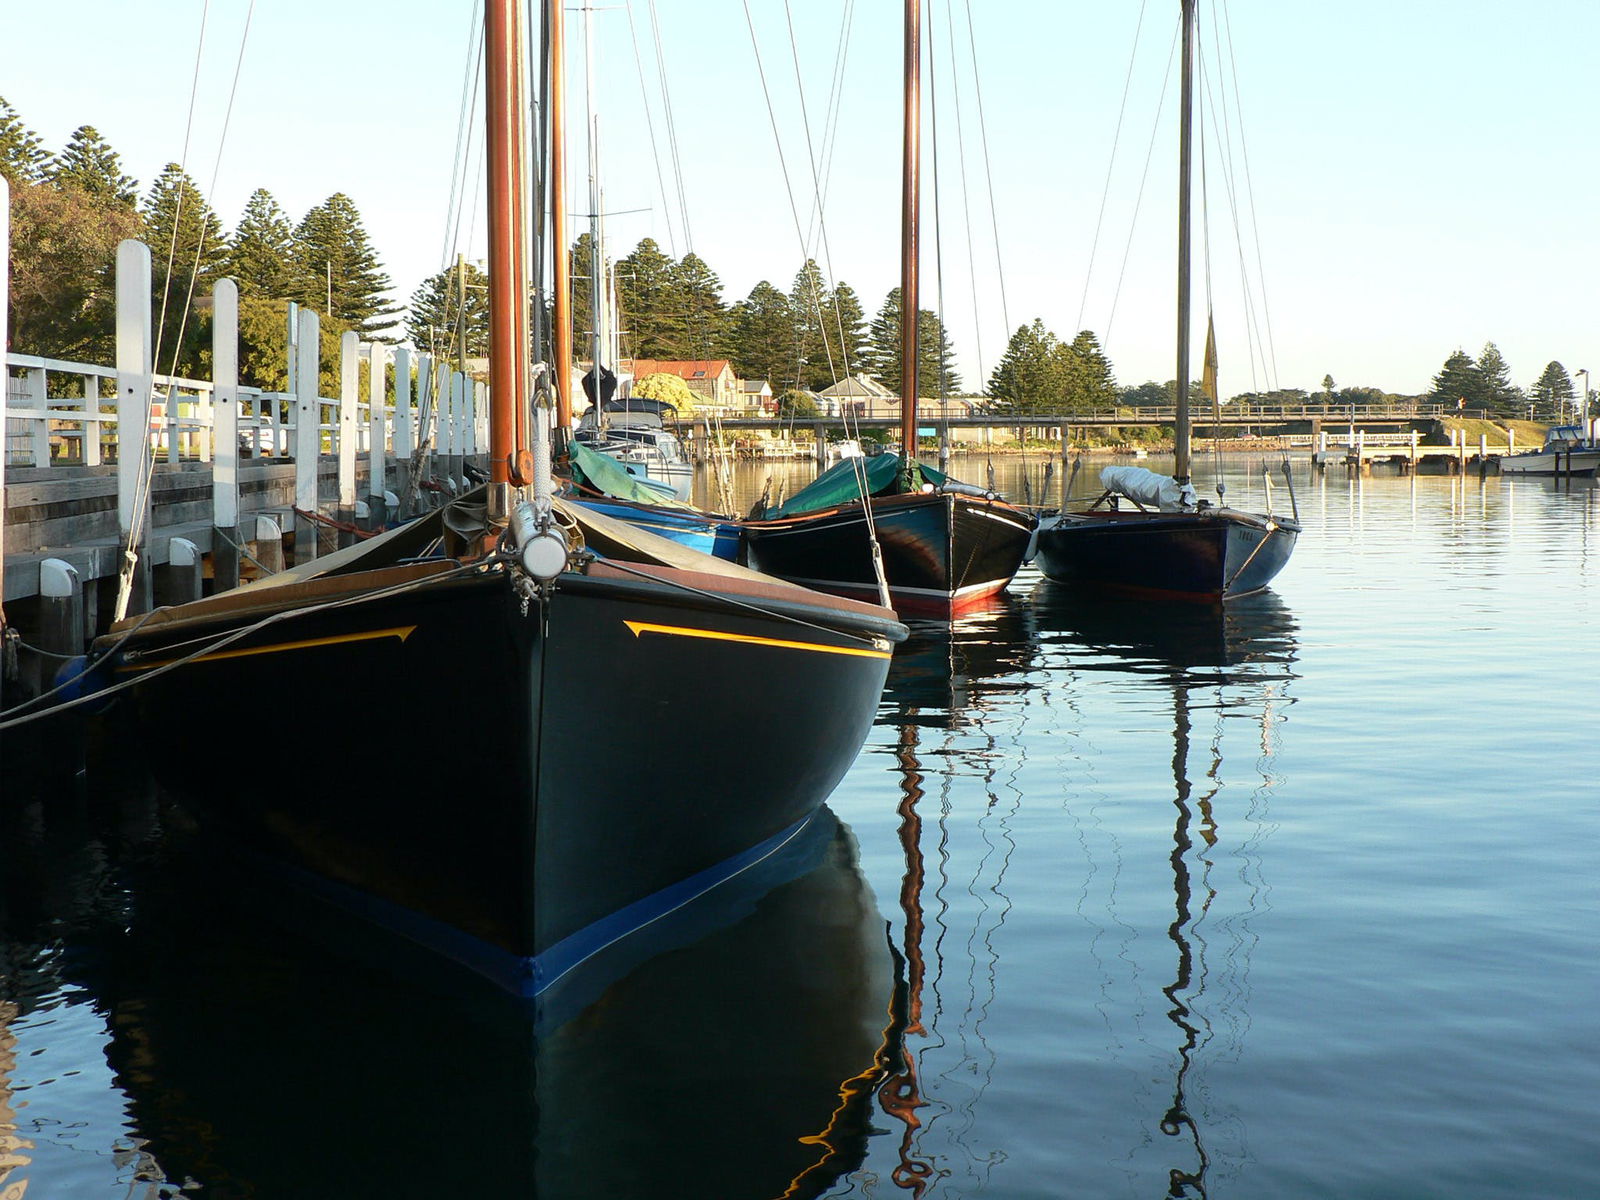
column 1238, row 656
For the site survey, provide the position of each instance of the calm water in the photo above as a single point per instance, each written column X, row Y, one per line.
column 1297, row 899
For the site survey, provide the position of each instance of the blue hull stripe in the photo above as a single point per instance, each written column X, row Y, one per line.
column 522, row 976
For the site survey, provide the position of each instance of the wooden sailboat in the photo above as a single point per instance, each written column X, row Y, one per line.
column 1168, row 543
column 538, row 792
column 893, row 528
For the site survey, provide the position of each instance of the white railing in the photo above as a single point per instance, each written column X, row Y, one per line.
column 60, row 414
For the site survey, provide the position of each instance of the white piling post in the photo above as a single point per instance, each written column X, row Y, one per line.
column 450, row 425
column 307, row 433
column 225, row 425
column 349, row 398
column 377, row 434
column 269, row 545
column 60, row 629
column 404, row 441
column 179, row 583
column 134, row 384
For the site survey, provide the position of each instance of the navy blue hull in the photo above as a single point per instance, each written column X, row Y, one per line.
column 536, row 793
column 944, row 553
column 1213, row 554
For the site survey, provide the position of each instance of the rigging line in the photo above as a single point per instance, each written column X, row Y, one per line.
column 144, row 480
column 819, row 189
column 216, row 171
column 650, row 127
column 464, row 125
column 1116, row 140
column 830, row 124
column 672, row 132
column 1230, row 185
column 66, row 683
column 811, row 158
column 1149, row 154
column 966, row 203
column 1255, row 229
column 211, row 645
column 988, row 169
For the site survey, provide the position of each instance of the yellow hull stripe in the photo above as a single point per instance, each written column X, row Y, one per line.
column 400, row 631
column 643, row 627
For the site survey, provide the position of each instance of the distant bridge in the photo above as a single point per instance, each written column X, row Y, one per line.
column 1233, row 416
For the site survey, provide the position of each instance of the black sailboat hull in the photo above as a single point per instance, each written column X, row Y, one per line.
column 466, row 771
column 944, row 553
column 1213, row 554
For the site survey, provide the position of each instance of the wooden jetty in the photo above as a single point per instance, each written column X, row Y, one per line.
column 1360, row 449
column 232, row 472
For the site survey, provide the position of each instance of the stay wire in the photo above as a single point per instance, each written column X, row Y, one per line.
column 650, row 128
column 1149, row 154
column 1255, row 229
column 988, row 170
column 811, row 158
column 672, row 131
column 1116, row 141
column 145, row 478
column 966, row 201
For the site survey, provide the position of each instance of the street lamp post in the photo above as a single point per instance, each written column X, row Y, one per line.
column 1583, row 404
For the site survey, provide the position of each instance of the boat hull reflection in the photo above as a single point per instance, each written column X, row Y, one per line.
column 741, row 1063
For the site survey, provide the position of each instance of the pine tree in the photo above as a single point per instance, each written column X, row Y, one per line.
column 846, row 318
column 1090, row 383
column 1499, row 393
column 705, row 316
column 261, row 254
column 1030, row 376
column 22, row 154
column 436, row 311
column 935, row 356
column 815, row 367
column 1553, row 392
column 337, row 270
column 1459, row 383
column 650, row 309
column 91, row 165
column 761, row 337
column 181, row 230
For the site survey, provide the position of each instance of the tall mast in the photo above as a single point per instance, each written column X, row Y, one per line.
column 597, row 256
column 1180, row 449
column 910, row 176
column 560, row 250
column 508, row 289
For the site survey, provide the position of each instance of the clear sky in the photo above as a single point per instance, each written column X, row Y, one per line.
column 1423, row 173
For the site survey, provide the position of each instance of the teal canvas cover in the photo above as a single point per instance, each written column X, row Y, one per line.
column 841, row 483
column 608, row 476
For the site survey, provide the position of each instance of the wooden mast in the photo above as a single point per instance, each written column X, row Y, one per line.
column 910, row 178
column 561, row 264
column 1181, row 449
column 507, row 284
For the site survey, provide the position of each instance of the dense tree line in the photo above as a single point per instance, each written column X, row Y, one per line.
column 69, row 210
column 804, row 338
column 1485, row 383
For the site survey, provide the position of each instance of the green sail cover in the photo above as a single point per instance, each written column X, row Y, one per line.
column 606, row 475
column 841, row 483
